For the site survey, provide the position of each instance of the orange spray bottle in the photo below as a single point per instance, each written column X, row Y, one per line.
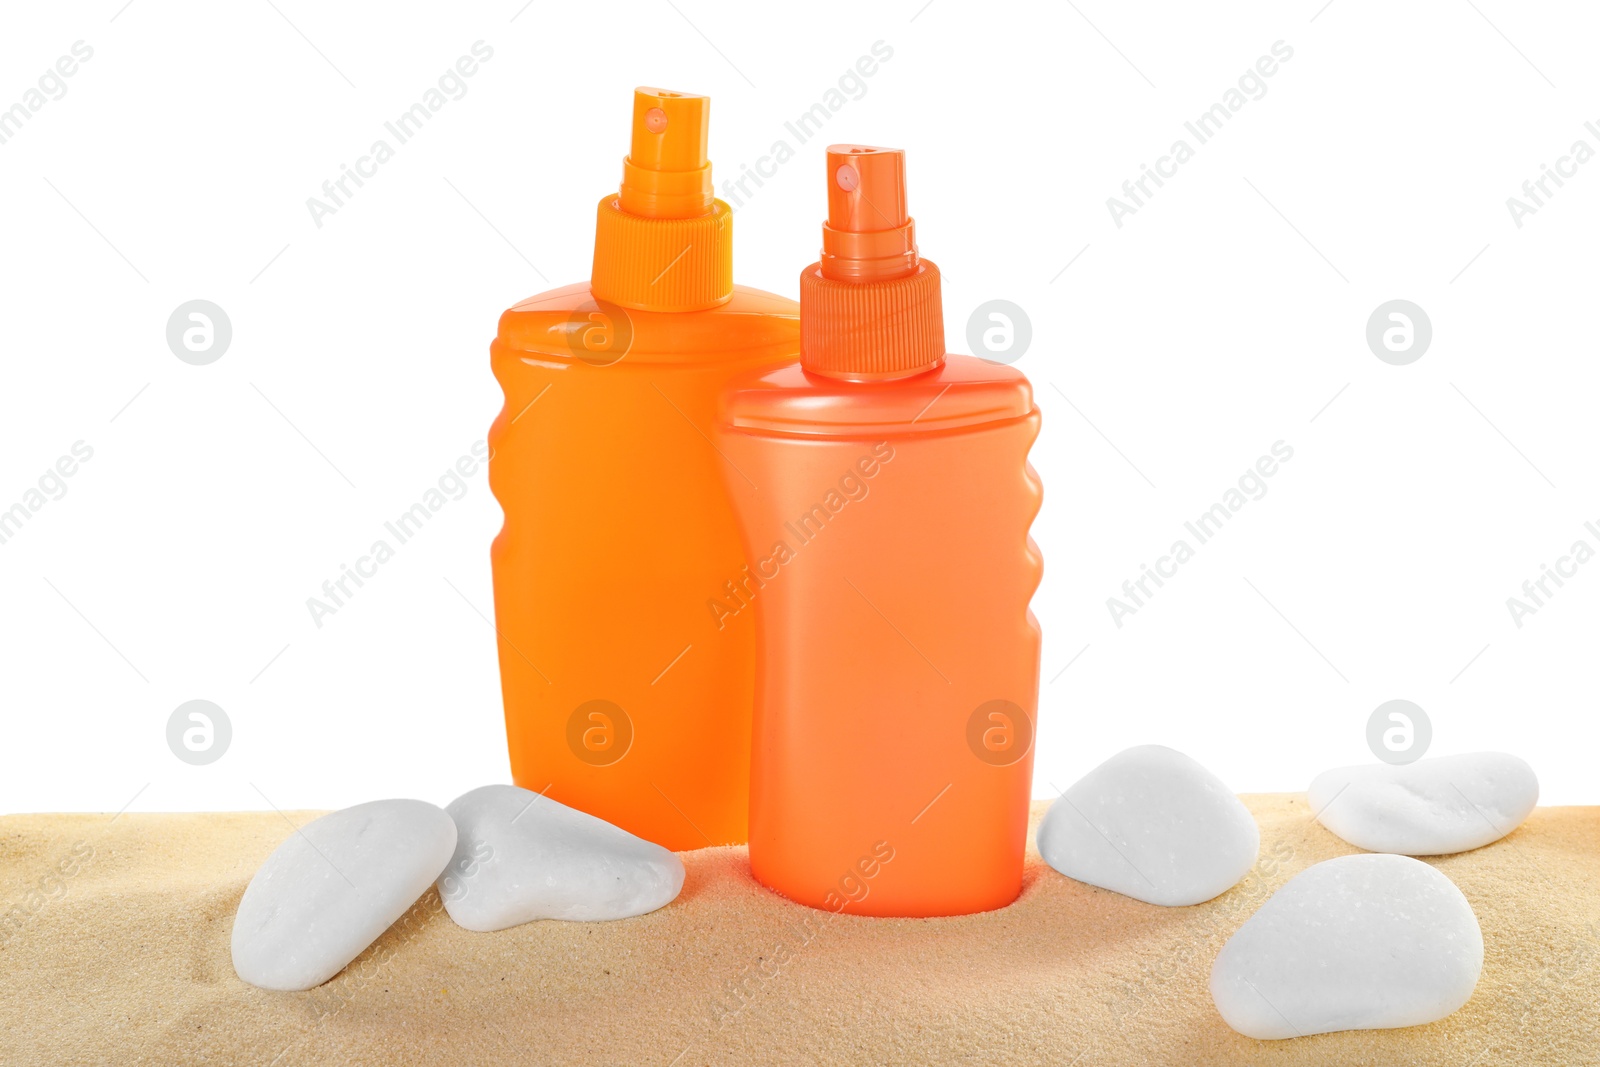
column 624, row 695
column 898, row 664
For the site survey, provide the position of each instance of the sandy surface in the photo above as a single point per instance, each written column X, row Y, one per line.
column 115, row 950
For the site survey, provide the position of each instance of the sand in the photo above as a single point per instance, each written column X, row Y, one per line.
column 116, row 951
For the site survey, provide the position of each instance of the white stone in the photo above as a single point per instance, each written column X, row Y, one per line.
column 1362, row 942
column 333, row 887
column 1428, row 808
column 1153, row 824
column 520, row 856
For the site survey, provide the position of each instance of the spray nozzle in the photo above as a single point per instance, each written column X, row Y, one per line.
column 667, row 174
column 870, row 308
column 868, row 235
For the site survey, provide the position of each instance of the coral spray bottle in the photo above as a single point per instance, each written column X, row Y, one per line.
column 624, row 696
column 891, row 570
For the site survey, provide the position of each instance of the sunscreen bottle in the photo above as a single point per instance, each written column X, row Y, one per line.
column 626, row 694
column 898, row 661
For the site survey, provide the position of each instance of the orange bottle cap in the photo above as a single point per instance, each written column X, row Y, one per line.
column 662, row 241
column 870, row 307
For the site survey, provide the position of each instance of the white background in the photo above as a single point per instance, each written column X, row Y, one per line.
column 1227, row 314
